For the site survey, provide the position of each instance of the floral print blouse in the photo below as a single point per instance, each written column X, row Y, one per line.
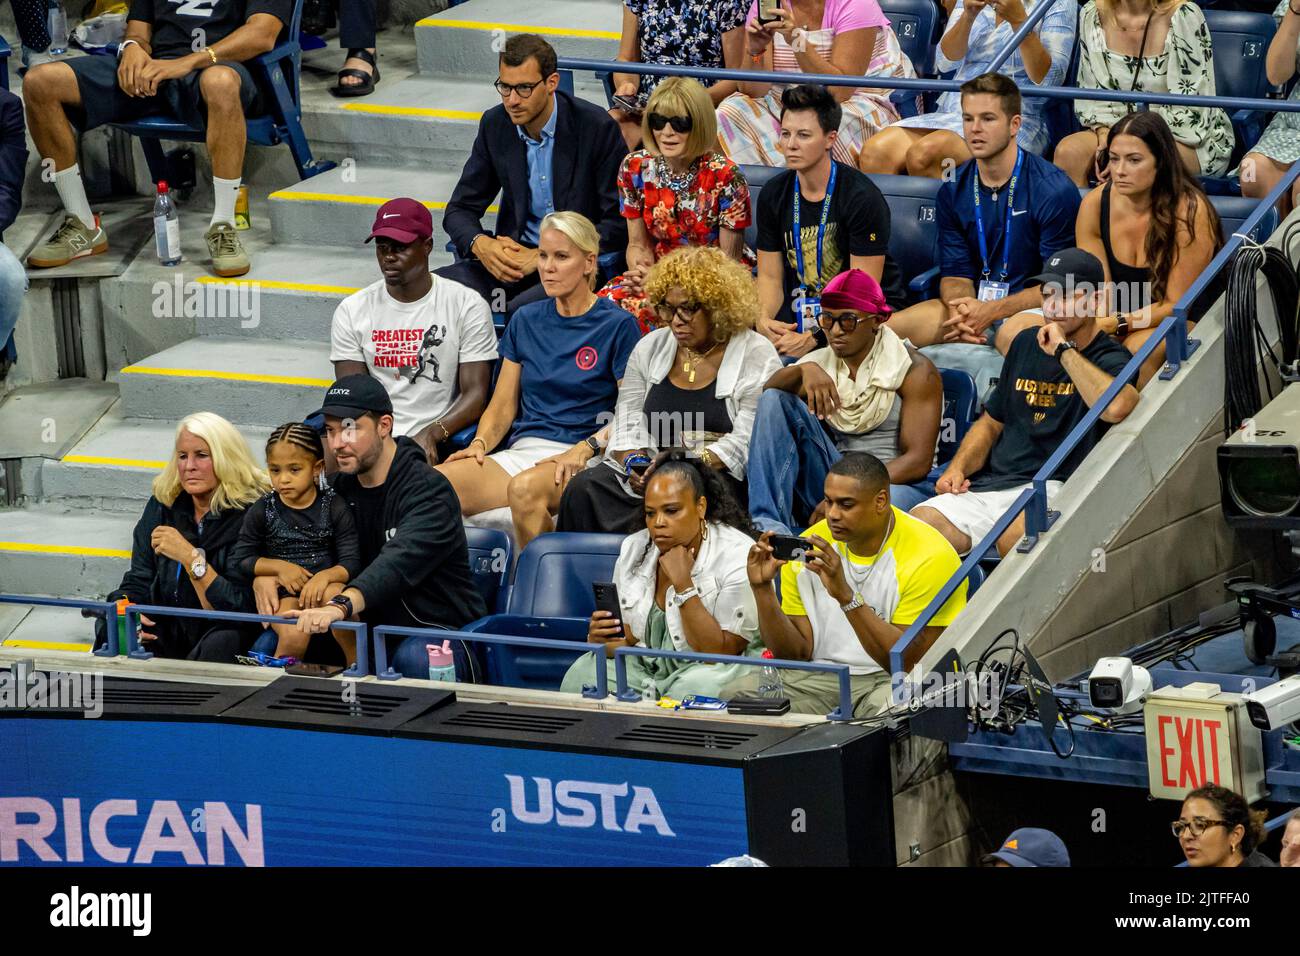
column 688, row 210
column 684, row 32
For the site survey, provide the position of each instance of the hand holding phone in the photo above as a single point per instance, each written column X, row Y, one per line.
column 628, row 104
column 790, row 547
column 769, row 11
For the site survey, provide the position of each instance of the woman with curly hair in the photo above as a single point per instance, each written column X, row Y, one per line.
column 694, row 382
column 682, row 586
column 1218, row 828
column 677, row 191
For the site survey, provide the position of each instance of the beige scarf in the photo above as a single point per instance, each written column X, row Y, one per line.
column 866, row 401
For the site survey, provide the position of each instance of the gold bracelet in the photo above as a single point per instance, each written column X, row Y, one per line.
column 481, row 440
column 445, row 434
column 211, row 53
column 706, row 456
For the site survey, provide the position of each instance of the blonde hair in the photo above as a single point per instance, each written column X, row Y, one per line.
column 682, row 96
column 239, row 481
column 579, row 230
column 709, row 276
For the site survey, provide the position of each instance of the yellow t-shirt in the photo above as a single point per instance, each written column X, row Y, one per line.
column 898, row 583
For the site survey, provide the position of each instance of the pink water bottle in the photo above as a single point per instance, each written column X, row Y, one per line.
column 442, row 664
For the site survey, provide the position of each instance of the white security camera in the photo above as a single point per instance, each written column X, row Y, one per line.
column 1115, row 684
column 1276, row 705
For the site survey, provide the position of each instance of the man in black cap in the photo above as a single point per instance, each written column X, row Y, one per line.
column 1050, row 378
column 408, row 521
column 1029, row 846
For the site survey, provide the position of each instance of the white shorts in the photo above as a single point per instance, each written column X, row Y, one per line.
column 974, row 513
column 527, row 452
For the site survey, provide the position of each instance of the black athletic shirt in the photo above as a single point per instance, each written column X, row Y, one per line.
column 175, row 22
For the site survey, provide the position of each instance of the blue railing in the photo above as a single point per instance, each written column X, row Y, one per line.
column 107, row 608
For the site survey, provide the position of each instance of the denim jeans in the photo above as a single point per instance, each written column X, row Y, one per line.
column 790, row 454
column 13, row 286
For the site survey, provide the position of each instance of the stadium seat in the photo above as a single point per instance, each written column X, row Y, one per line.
column 916, row 23
column 554, row 574
column 1233, row 211
column 757, row 177
column 276, row 73
column 913, row 235
column 1058, row 114
column 959, row 399
column 1241, row 40
column 491, row 554
column 535, row 668
column 5, row 53
column 974, row 581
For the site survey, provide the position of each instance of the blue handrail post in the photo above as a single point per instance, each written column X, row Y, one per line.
column 1038, row 516
column 621, row 690
column 133, row 648
column 1179, row 346
column 361, row 666
column 110, row 632
column 1031, row 21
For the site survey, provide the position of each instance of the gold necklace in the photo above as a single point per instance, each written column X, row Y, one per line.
column 693, row 359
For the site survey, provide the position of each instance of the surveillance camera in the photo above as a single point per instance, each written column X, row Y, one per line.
column 1115, row 684
column 1276, row 705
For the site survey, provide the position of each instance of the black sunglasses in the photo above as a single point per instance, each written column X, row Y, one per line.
column 681, row 124
column 848, row 322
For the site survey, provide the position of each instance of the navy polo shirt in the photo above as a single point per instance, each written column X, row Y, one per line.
column 1042, row 222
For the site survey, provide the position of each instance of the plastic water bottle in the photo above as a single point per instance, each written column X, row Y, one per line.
column 770, row 681
column 166, row 227
column 58, row 29
column 442, row 664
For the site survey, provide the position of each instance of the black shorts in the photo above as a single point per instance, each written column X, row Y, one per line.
column 103, row 101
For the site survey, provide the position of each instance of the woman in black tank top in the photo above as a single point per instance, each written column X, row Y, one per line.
column 1146, row 179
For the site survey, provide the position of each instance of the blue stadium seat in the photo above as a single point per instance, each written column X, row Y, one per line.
column 913, row 235
column 535, row 668
column 959, row 399
column 1059, row 114
column 1241, row 40
column 5, row 53
column 276, row 73
column 757, row 177
column 974, row 581
column 916, row 23
column 1233, row 211
column 491, row 553
column 554, row 574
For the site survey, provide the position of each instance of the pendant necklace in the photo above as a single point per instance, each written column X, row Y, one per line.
column 693, row 359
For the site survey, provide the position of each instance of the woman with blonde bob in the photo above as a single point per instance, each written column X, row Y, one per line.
column 677, row 191
column 692, row 383
column 562, row 359
column 180, row 552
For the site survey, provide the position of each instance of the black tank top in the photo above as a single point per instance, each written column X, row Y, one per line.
column 670, row 410
column 1132, row 284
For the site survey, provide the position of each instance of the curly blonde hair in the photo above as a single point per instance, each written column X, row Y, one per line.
column 709, row 276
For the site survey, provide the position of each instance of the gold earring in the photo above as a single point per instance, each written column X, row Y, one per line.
column 704, row 530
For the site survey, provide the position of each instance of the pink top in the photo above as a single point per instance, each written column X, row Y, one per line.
column 841, row 16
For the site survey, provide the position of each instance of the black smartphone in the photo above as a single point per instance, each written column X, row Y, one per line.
column 606, row 595
column 641, row 468
column 314, row 670
column 769, row 10
column 629, row 104
column 789, row 547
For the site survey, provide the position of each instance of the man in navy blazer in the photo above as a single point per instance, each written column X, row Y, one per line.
column 545, row 151
column 13, row 277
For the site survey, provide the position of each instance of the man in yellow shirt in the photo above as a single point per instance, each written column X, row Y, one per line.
column 870, row 572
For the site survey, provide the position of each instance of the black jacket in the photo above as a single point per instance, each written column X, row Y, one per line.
column 154, row 579
column 421, row 575
column 13, row 158
column 585, row 161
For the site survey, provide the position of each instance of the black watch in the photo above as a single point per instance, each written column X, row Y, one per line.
column 344, row 602
column 590, row 442
column 1062, row 348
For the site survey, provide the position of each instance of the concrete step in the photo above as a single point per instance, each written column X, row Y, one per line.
column 248, row 381
column 114, row 464
column 63, row 552
column 465, row 40
column 49, row 629
column 337, row 208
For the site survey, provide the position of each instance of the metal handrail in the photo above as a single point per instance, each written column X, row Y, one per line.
column 1229, row 103
column 107, row 608
column 1031, row 21
column 843, row 712
column 1173, row 332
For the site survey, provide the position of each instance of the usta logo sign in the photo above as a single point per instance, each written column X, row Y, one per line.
column 642, row 811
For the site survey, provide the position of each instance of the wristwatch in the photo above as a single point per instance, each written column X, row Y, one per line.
column 1062, row 348
column 344, row 602
column 590, row 442
column 198, row 564
column 681, row 597
column 1121, row 326
column 857, row 602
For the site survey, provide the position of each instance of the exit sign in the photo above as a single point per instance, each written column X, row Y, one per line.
column 1198, row 735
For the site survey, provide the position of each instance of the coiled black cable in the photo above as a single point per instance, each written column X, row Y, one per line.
column 1244, row 340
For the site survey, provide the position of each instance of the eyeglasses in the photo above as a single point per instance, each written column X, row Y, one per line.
column 681, row 124
column 1197, row 826
column 686, row 310
column 524, row 90
column 848, row 321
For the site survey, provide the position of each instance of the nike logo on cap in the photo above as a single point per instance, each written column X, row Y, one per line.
column 390, row 215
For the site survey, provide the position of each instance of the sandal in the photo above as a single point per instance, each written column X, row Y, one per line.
column 368, row 80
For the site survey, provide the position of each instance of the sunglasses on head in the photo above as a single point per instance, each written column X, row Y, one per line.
column 681, row 124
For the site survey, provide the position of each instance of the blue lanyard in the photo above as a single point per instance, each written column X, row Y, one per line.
column 1006, row 232
column 821, row 229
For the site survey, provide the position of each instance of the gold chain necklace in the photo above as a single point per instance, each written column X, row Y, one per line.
column 693, row 359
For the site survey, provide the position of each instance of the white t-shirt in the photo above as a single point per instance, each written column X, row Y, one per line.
column 414, row 348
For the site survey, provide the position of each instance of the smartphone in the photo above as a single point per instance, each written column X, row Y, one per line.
column 629, row 104
column 606, row 595
column 789, row 547
column 641, row 468
column 314, row 670
column 769, row 10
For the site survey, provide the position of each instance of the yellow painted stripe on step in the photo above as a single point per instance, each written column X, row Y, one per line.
column 49, row 646
column 287, row 195
column 115, row 462
column 229, row 376
column 383, row 110
column 287, row 286
column 24, row 547
column 517, row 28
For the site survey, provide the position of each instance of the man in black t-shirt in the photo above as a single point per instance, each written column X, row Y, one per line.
column 1051, row 377
column 855, row 234
column 179, row 58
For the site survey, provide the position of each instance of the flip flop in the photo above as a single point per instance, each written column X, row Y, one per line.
column 368, row 80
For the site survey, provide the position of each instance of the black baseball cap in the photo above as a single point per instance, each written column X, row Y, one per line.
column 1071, row 268
column 354, row 396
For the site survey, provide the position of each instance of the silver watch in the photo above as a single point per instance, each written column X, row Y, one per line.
column 198, row 564
column 857, row 602
column 681, row 597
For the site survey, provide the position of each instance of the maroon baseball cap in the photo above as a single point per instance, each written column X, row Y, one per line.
column 402, row 220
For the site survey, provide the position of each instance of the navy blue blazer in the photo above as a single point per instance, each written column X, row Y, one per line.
column 13, row 158
column 588, row 151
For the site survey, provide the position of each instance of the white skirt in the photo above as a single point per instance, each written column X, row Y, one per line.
column 527, row 452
